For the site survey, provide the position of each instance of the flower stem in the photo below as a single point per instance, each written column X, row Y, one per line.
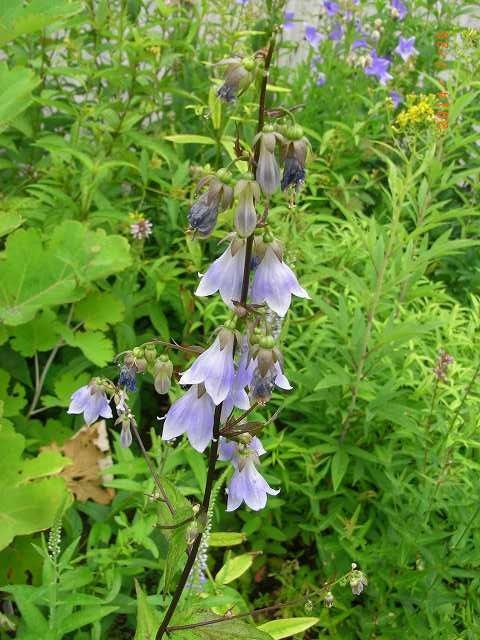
column 192, row 556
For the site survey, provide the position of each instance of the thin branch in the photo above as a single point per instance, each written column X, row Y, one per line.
column 192, row 556
column 154, row 474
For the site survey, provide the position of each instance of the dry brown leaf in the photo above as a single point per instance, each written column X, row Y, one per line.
column 89, row 451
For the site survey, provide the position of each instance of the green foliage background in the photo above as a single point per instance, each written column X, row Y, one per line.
column 108, row 109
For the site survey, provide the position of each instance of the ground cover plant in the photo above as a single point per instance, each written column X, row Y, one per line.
column 239, row 319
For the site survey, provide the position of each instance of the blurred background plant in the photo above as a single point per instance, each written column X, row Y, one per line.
column 108, row 118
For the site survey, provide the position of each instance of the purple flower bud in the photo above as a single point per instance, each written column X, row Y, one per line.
column 141, row 229
column 274, row 282
column 337, row 32
column 397, row 9
column 321, row 80
column 225, row 274
column 204, row 211
column 91, row 400
column 248, row 192
column 268, row 173
column 288, row 17
column 163, row 375
column 396, row 98
column 331, row 7
column 294, row 154
column 406, row 48
column 312, row 36
column 126, row 435
column 214, row 367
column 128, row 378
column 237, row 79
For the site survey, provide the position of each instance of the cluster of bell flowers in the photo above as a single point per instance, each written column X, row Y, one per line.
column 238, row 369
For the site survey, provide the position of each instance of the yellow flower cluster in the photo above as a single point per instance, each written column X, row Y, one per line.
column 471, row 37
column 419, row 112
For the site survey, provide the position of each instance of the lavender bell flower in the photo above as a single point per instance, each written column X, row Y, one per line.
column 397, row 9
column 312, row 36
column 288, row 17
column 321, row 79
column 336, row 33
column 406, row 48
column 214, row 367
column 267, row 370
column 267, row 173
column 238, row 397
column 192, row 414
column 204, row 211
column 274, row 282
column 331, row 7
column 396, row 98
column 247, row 192
column 225, row 274
column 92, row 401
column 247, row 484
column 378, row 67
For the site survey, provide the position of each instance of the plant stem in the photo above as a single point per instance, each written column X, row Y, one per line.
column 192, row 556
column 151, row 468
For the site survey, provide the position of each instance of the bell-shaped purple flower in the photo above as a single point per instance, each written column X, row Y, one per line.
column 288, row 17
column 238, row 77
column 337, row 32
column 378, row 67
column 406, row 48
column 396, row 98
column 247, row 484
column 267, row 174
column 294, row 155
column 92, row 401
column 398, row 10
column 312, row 36
column 274, row 282
column 214, row 367
column 331, row 7
column 225, row 274
column 191, row 414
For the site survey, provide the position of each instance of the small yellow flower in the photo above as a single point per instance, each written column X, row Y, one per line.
column 419, row 112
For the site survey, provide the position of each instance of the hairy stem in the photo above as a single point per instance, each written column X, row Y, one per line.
column 192, row 556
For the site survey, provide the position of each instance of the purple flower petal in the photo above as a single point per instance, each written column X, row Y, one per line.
column 224, row 275
column 192, row 415
column 92, row 402
column 249, row 486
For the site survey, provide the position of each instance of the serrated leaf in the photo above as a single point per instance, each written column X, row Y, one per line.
column 99, row 309
column 226, row 538
column 339, row 467
column 287, row 627
column 234, row 568
column 16, row 86
column 94, row 345
column 148, row 620
column 36, row 274
column 41, row 334
column 9, row 221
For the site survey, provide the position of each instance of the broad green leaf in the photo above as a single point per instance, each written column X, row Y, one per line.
column 287, row 627
column 84, row 617
column 9, row 220
column 99, row 309
column 30, row 506
column 36, row 274
column 12, row 396
column 236, row 629
column 94, row 345
column 226, row 538
column 20, row 19
column 16, row 86
column 190, row 138
column 148, row 620
column 234, row 568
column 41, row 334
column 339, row 467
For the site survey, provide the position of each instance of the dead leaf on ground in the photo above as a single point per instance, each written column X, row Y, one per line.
column 89, row 451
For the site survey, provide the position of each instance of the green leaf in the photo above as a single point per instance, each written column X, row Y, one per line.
column 19, row 19
column 277, row 89
column 339, row 467
column 99, row 309
column 226, row 538
column 84, row 617
column 35, row 274
column 16, row 86
column 215, row 108
column 41, row 334
column 30, row 506
column 12, row 397
column 236, row 629
column 9, row 221
column 94, row 345
column 148, row 619
column 234, row 568
column 287, row 627
column 190, row 138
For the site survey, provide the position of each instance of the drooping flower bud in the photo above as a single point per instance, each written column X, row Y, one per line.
column 237, row 79
column 150, row 353
column 358, row 581
column 294, row 155
column 267, row 173
column 163, row 374
column 267, row 373
column 204, row 211
column 247, row 192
